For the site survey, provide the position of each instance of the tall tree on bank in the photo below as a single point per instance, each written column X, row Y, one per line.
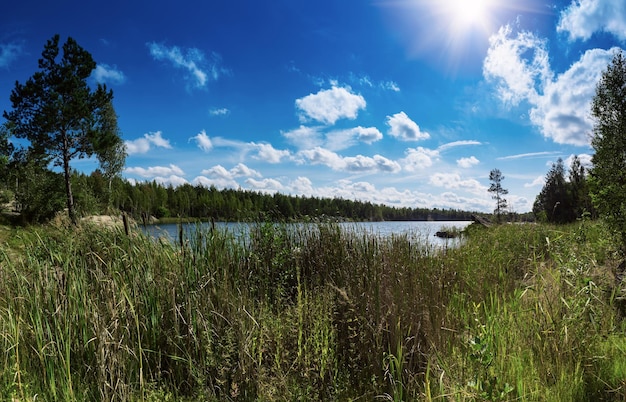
column 112, row 154
column 608, row 176
column 57, row 111
column 496, row 177
column 555, row 201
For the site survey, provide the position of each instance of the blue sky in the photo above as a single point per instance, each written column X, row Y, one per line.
column 400, row 102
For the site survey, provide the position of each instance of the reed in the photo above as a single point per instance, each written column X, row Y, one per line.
column 315, row 312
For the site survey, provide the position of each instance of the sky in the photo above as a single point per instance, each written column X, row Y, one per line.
column 408, row 103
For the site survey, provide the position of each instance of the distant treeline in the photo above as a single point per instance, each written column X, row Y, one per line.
column 150, row 199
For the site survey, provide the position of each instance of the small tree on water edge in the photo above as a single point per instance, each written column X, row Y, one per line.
column 496, row 177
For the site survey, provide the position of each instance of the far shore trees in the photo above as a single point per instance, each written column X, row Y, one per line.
column 60, row 115
column 496, row 177
column 608, row 176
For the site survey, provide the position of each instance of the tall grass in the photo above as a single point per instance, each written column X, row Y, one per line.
column 519, row 312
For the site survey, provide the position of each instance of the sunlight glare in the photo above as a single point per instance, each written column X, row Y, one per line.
column 463, row 15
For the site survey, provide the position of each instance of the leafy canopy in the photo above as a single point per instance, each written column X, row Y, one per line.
column 608, row 176
column 58, row 112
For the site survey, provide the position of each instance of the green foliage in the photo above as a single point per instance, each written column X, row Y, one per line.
column 608, row 177
column 58, row 113
column 559, row 200
column 39, row 195
column 496, row 177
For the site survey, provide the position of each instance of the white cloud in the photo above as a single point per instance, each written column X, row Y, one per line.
column 454, row 181
column 539, row 181
column 585, row 161
column 390, row 85
column 507, row 63
column 108, row 74
column 304, row 137
column 559, row 106
column 302, row 185
column 563, row 112
column 455, row 144
column 155, row 171
column 342, row 139
column 267, row 185
column 329, row 105
column 267, row 153
column 418, row 159
column 144, row 144
column 528, row 155
column 200, row 70
column 219, row 112
column 467, row 163
column 220, row 172
column 172, row 180
column 359, row 163
column 219, row 182
column 584, row 17
column 376, row 163
column 9, row 53
column 321, row 156
column 203, row 140
column 405, row 129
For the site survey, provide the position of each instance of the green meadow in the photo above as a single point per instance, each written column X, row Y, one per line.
column 518, row 312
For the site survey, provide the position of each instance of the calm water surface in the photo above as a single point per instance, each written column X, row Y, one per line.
column 418, row 231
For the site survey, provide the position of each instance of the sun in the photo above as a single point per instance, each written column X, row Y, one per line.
column 462, row 16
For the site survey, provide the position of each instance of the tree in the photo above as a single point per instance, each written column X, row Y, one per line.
column 58, row 113
column 608, row 176
column 112, row 155
column 580, row 189
column 555, row 201
column 496, row 177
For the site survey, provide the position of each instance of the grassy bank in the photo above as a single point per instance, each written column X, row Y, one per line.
column 521, row 312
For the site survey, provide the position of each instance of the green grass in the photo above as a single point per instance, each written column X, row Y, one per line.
column 519, row 312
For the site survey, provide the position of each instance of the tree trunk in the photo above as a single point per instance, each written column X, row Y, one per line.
column 68, row 183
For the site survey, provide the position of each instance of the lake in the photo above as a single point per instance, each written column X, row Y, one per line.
column 419, row 231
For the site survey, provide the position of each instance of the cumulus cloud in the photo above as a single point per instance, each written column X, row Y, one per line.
column 219, row 182
column 559, row 106
column 418, row 159
column 329, row 105
column 104, row 73
column 200, row 71
column 359, row 163
column 266, row 185
column 584, row 17
column 240, row 170
column 454, row 181
column 302, row 185
column 405, row 129
column 562, row 113
column 304, row 137
column 267, row 153
column 467, row 163
column 203, row 141
column 145, row 143
column 342, row 139
column 9, row 53
column 155, row 171
column 173, row 181
column 518, row 65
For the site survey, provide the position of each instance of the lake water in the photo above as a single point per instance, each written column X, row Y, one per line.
column 422, row 232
